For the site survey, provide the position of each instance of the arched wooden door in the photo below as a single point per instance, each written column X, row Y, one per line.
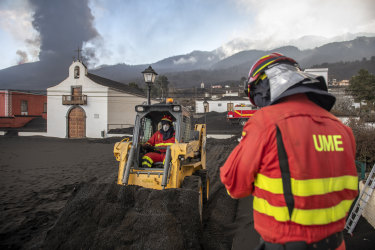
column 77, row 123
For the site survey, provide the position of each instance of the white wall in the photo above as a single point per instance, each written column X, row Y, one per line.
column 121, row 108
column 319, row 72
column 56, row 112
column 32, row 134
column 96, row 111
column 96, row 105
column 215, row 105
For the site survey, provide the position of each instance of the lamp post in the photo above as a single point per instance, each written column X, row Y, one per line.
column 205, row 106
column 149, row 75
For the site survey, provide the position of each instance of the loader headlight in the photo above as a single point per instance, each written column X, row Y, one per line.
column 139, row 108
column 176, row 108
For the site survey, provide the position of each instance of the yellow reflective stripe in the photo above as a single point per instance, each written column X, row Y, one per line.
column 145, row 163
column 241, row 114
column 147, row 158
column 324, row 185
column 163, row 144
column 308, row 187
column 279, row 213
column 320, row 216
column 263, row 67
column 228, row 192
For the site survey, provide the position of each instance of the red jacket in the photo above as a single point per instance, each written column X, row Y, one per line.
column 321, row 157
column 157, row 141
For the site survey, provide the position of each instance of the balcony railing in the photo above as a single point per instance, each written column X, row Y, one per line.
column 74, row 99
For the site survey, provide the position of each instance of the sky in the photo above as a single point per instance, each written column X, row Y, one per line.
column 146, row 31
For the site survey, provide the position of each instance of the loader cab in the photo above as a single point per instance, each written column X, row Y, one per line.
column 151, row 123
column 148, row 122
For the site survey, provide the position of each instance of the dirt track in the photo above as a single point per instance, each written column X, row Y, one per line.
column 39, row 175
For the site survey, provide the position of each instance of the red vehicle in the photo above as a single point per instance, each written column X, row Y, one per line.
column 240, row 114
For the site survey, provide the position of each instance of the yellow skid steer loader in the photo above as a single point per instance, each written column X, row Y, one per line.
column 184, row 165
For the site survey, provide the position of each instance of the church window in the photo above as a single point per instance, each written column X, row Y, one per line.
column 77, row 93
column 24, row 107
column 76, row 72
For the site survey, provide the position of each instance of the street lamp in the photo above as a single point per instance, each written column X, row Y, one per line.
column 205, row 106
column 149, row 75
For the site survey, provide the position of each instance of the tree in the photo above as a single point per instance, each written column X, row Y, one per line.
column 134, row 85
column 365, row 140
column 343, row 107
column 162, row 83
column 362, row 87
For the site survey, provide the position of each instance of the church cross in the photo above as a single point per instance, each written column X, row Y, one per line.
column 79, row 53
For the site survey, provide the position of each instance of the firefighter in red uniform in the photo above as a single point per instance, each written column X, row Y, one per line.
column 295, row 158
column 162, row 138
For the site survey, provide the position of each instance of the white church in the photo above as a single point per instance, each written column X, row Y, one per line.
column 87, row 105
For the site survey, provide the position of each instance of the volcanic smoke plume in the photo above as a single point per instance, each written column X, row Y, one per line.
column 22, row 57
column 63, row 27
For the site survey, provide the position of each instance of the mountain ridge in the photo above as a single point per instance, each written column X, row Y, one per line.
column 190, row 69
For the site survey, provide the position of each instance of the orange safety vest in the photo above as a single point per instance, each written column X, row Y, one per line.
column 298, row 161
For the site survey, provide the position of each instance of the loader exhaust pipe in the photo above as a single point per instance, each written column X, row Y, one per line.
column 167, row 160
column 125, row 177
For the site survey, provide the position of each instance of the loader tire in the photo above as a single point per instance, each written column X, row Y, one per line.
column 194, row 182
column 202, row 173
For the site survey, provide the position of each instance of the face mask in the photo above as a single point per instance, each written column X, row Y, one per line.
column 165, row 127
column 261, row 93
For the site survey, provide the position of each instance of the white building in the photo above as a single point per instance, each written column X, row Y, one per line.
column 220, row 105
column 319, row 72
column 230, row 93
column 87, row 105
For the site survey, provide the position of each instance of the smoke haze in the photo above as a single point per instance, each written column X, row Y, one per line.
column 63, row 27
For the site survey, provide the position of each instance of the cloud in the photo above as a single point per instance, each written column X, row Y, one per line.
column 94, row 51
column 16, row 21
column 183, row 60
column 276, row 22
column 147, row 31
column 22, row 57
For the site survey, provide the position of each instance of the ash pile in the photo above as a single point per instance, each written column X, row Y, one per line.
column 109, row 216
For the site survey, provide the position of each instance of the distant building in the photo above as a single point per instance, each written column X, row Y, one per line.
column 87, row 105
column 230, row 93
column 202, row 85
column 223, row 104
column 216, row 86
column 343, row 83
column 319, row 72
column 18, row 107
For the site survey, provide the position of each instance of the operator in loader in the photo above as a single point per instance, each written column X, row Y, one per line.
column 295, row 158
column 159, row 141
